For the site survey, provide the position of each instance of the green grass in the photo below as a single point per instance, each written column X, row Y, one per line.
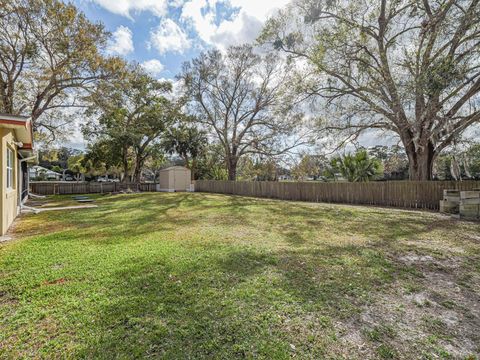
column 207, row 276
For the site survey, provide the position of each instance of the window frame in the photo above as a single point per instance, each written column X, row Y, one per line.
column 10, row 169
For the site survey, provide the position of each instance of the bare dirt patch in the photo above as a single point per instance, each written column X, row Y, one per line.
column 437, row 313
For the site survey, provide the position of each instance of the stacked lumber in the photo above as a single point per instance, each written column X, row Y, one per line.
column 451, row 202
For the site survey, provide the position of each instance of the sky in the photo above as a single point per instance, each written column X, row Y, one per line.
column 162, row 34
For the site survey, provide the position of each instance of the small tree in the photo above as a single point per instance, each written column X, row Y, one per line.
column 104, row 158
column 155, row 162
column 211, row 164
column 308, row 166
column 76, row 165
column 473, row 160
column 57, row 169
column 257, row 168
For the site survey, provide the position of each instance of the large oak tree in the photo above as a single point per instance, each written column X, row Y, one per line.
column 50, row 53
column 238, row 96
column 130, row 114
column 411, row 67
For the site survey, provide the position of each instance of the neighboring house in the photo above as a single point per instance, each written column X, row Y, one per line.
column 37, row 171
column 16, row 138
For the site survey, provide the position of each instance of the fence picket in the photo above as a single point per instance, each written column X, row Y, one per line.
column 404, row 194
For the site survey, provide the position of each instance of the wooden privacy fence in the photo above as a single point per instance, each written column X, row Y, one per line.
column 62, row 188
column 405, row 194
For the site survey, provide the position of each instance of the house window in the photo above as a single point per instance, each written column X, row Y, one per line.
column 9, row 168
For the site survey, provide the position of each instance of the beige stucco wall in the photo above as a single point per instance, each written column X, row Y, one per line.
column 8, row 197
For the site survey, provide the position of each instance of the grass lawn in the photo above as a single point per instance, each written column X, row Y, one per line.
column 184, row 276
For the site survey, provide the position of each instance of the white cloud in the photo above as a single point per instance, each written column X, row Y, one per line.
column 259, row 9
column 126, row 7
column 154, row 67
column 176, row 3
column 121, row 42
column 203, row 18
column 243, row 27
column 168, row 36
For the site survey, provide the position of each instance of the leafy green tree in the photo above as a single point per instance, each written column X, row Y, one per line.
column 211, row 164
column 103, row 158
column 358, row 167
column 457, row 164
column 155, row 162
column 473, row 160
column 309, row 165
column 188, row 142
column 411, row 68
column 133, row 114
column 76, row 165
column 57, row 169
column 50, row 54
column 257, row 169
column 394, row 161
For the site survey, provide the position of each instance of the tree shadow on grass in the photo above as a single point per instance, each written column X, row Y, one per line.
column 226, row 303
column 171, row 211
column 223, row 300
column 379, row 225
column 176, row 309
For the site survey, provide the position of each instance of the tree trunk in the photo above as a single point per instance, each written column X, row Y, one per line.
column 232, row 170
column 193, row 169
column 137, row 172
column 421, row 164
column 125, row 166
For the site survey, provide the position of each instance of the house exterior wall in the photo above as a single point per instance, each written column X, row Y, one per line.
column 8, row 196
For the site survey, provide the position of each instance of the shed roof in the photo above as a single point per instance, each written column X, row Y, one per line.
column 177, row 167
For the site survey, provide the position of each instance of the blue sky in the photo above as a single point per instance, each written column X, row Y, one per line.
column 162, row 34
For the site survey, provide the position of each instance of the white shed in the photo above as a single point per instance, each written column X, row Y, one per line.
column 175, row 178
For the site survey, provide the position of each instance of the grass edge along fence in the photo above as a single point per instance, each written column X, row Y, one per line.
column 402, row 194
column 67, row 188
